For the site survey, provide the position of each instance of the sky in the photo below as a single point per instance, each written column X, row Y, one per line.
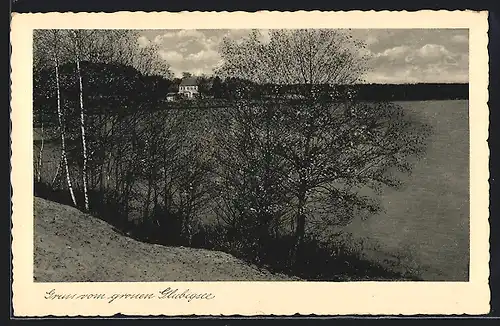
column 396, row 55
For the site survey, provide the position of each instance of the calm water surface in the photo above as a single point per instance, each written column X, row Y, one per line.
column 427, row 223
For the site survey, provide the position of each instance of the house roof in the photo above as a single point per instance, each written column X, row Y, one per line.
column 190, row 81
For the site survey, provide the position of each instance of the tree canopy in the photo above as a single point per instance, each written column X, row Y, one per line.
column 295, row 57
column 325, row 157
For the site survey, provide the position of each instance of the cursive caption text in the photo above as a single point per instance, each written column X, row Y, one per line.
column 168, row 293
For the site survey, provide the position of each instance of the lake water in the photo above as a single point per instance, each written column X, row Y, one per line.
column 427, row 223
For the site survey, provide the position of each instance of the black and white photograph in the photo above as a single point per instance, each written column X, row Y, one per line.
column 251, row 154
column 315, row 154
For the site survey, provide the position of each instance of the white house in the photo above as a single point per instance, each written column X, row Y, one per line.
column 171, row 97
column 189, row 87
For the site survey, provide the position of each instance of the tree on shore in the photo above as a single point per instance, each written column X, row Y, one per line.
column 77, row 51
column 49, row 49
column 76, row 40
column 329, row 154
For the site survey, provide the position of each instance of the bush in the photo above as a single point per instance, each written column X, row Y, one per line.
column 337, row 259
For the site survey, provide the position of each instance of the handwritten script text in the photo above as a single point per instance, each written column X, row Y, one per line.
column 168, row 293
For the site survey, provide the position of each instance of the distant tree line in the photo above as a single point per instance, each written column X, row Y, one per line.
column 412, row 92
column 273, row 182
column 218, row 88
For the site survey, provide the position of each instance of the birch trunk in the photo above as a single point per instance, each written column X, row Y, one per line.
column 40, row 153
column 63, row 135
column 82, row 125
column 57, row 171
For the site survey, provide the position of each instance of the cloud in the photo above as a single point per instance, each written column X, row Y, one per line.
column 190, row 33
column 143, row 41
column 430, row 74
column 236, row 33
column 172, row 57
column 210, row 42
column 394, row 55
column 433, row 51
column 204, row 55
column 195, row 51
column 435, row 54
column 460, row 38
column 158, row 39
column 189, row 50
column 427, row 63
column 178, row 35
column 371, row 39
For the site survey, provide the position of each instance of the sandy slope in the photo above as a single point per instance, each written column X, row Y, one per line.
column 74, row 247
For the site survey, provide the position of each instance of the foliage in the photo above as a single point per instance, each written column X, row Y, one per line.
column 312, row 159
column 275, row 172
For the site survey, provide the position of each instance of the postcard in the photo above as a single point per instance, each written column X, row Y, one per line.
column 233, row 163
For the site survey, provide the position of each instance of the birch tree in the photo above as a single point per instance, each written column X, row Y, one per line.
column 107, row 47
column 39, row 63
column 76, row 41
column 52, row 42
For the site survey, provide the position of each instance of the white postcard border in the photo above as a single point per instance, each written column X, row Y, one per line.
column 252, row 298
